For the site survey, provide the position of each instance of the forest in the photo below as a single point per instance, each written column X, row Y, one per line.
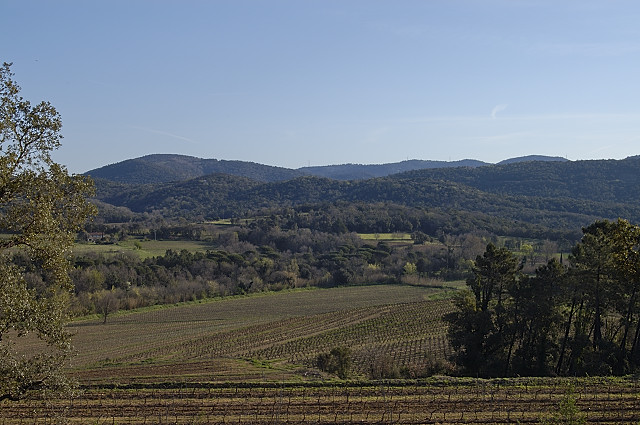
column 577, row 319
column 283, row 250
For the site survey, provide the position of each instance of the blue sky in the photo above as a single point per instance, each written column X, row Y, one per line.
column 308, row 82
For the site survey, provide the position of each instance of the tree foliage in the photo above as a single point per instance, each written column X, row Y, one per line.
column 575, row 320
column 41, row 210
column 337, row 361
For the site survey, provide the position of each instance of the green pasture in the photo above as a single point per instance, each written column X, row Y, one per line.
column 143, row 248
column 388, row 237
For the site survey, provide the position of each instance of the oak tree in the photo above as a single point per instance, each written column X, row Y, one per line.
column 41, row 209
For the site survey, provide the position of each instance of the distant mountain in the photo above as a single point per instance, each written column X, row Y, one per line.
column 534, row 158
column 361, row 172
column 164, row 168
column 601, row 180
column 547, row 194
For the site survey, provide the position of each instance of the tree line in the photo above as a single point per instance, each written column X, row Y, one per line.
column 265, row 254
column 574, row 317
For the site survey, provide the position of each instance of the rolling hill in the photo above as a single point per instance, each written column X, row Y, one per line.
column 528, row 196
column 360, row 171
column 164, row 168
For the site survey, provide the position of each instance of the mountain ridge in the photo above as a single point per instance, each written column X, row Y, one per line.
column 165, row 168
column 552, row 195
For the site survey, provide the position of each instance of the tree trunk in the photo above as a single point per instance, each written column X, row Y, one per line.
column 566, row 336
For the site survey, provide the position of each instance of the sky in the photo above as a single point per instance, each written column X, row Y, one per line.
column 294, row 83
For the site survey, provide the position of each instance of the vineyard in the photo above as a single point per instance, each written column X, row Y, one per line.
column 275, row 336
column 442, row 401
column 251, row 360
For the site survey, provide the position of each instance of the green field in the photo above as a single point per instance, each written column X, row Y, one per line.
column 388, row 237
column 142, row 248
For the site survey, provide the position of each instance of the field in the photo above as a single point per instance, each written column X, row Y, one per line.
column 434, row 401
column 388, row 237
column 266, row 336
column 250, row 360
column 143, row 248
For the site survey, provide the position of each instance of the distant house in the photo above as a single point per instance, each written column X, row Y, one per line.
column 95, row 236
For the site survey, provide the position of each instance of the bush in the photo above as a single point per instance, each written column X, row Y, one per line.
column 337, row 361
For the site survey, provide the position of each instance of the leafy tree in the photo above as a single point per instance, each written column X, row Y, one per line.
column 577, row 320
column 536, row 310
column 337, row 361
column 626, row 257
column 481, row 330
column 606, row 265
column 41, row 209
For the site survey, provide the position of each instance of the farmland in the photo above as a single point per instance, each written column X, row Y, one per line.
column 437, row 400
column 250, row 360
column 264, row 336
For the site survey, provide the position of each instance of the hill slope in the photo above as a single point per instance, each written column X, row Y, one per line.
column 551, row 195
column 534, row 158
column 359, row 171
column 164, row 168
column 596, row 180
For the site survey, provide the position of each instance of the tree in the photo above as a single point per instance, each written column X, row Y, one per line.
column 337, row 361
column 41, row 209
column 106, row 302
column 577, row 320
column 481, row 329
column 536, row 313
column 606, row 264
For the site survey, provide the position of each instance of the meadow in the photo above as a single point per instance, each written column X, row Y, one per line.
column 141, row 247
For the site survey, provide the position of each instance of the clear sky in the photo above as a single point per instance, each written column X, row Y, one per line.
column 316, row 82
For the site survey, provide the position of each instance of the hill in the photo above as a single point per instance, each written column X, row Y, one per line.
column 521, row 196
column 546, row 195
column 534, row 158
column 614, row 181
column 360, row 171
column 164, row 168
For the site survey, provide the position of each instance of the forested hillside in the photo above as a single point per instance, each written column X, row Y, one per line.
column 421, row 227
column 596, row 180
column 367, row 171
column 523, row 198
column 163, row 168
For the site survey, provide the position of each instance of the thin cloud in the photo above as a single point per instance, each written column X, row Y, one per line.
column 498, row 108
column 165, row 133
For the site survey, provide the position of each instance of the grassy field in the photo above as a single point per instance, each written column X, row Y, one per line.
column 143, row 248
column 388, row 237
